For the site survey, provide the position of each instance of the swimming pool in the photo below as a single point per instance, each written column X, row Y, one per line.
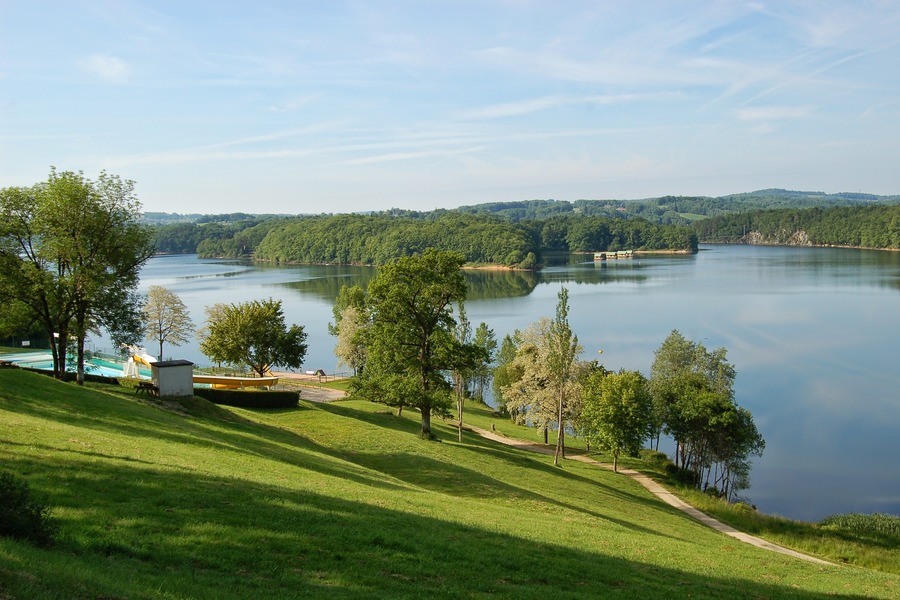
column 93, row 366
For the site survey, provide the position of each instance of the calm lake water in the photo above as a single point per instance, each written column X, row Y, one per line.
column 812, row 333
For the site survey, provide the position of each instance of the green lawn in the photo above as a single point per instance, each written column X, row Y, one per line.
column 343, row 500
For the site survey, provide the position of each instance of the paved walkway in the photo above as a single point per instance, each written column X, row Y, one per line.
column 661, row 493
column 319, row 394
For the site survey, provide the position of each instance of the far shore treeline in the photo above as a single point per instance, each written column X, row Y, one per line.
column 517, row 234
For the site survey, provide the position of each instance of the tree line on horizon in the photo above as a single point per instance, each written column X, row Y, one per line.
column 508, row 233
column 874, row 226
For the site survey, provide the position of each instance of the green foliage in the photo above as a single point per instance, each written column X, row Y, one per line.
column 71, row 249
column 410, row 343
column 249, row 398
column 233, row 504
column 253, row 334
column 617, row 412
column 22, row 515
column 858, row 226
column 693, row 401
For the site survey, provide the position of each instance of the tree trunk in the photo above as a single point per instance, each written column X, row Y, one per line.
column 615, row 461
column 546, row 436
column 59, row 356
column 426, row 423
column 459, row 413
column 560, row 434
column 79, row 371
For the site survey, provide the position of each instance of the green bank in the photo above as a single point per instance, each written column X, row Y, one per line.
column 344, row 500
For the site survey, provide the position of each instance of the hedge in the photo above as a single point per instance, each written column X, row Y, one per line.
column 249, row 399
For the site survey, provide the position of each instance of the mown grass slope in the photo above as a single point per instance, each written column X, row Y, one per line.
column 189, row 500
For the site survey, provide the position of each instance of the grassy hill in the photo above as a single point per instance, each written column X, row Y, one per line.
column 189, row 500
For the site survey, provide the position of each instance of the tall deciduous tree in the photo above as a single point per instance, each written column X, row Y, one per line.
column 486, row 340
column 71, row 250
column 411, row 343
column 563, row 353
column 617, row 412
column 166, row 318
column 350, row 326
column 505, row 373
column 253, row 334
column 529, row 394
column 693, row 392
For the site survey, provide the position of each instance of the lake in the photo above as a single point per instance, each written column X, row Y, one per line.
column 812, row 333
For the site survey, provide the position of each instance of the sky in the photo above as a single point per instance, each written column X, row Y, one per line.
column 338, row 106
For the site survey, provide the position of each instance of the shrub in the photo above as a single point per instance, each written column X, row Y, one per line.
column 22, row 516
column 655, row 458
column 682, row 475
column 249, row 399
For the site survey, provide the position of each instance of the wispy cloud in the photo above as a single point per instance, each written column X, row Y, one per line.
column 772, row 113
column 109, row 68
column 533, row 105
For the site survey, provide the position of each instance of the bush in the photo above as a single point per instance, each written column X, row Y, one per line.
column 655, row 458
column 249, row 399
column 681, row 475
column 22, row 516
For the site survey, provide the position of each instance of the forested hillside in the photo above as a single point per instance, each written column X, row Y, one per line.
column 516, row 233
column 859, row 226
column 482, row 239
column 676, row 209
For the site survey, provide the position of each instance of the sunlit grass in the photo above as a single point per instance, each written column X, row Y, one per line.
column 189, row 500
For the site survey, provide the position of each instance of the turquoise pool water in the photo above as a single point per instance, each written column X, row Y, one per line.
column 94, row 366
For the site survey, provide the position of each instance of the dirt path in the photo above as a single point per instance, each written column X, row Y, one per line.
column 661, row 493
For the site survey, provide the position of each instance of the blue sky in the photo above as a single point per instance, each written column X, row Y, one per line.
column 340, row 106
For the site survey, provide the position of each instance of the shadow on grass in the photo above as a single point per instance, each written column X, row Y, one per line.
column 133, row 530
column 80, row 407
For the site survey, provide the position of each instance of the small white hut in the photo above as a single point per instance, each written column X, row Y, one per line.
column 173, row 377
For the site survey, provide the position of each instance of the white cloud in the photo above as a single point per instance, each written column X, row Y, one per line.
column 109, row 68
column 772, row 113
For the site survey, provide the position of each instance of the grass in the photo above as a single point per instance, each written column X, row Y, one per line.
column 869, row 541
column 343, row 500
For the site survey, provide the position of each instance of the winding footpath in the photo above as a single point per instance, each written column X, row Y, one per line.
column 318, row 394
column 661, row 493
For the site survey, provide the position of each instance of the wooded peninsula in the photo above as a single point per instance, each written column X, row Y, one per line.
column 517, row 234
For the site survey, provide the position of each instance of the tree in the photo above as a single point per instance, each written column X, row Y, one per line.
column 253, row 334
column 544, row 377
column 486, row 340
column 529, row 396
column 504, row 373
column 460, row 373
column 563, row 351
column 617, row 412
column 673, row 359
column 70, row 251
column 693, row 391
column 466, row 359
column 411, row 342
column 350, row 325
column 166, row 318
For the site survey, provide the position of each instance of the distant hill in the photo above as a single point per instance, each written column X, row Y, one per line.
column 678, row 210
column 546, row 223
